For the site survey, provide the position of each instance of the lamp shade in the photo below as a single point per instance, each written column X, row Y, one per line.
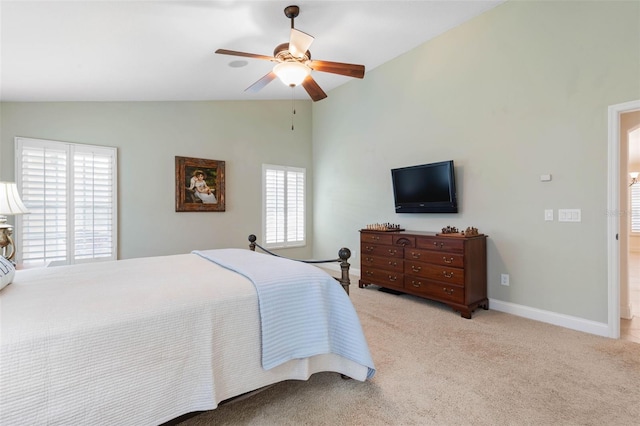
column 10, row 202
column 634, row 175
column 291, row 73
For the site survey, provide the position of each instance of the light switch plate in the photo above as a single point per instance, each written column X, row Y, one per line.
column 569, row 215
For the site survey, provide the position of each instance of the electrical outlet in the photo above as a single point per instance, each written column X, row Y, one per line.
column 504, row 279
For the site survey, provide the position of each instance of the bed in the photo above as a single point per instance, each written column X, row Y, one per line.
column 144, row 341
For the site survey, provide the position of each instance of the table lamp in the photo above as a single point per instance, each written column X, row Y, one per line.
column 10, row 204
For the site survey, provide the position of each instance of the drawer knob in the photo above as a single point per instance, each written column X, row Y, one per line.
column 415, row 255
column 393, row 278
column 440, row 244
column 392, row 251
column 367, row 248
column 416, row 268
column 369, row 273
column 450, row 260
column 449, row 291
column 391, row 263
column 416, row 284
column 447, row 274
column 369, row 259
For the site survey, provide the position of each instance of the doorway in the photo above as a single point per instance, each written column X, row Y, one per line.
column 630, row 227
column 617, row 222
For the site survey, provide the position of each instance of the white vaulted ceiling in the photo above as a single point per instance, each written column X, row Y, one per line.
column 164, row 50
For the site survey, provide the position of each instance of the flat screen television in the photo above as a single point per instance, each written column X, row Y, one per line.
column 427, row 188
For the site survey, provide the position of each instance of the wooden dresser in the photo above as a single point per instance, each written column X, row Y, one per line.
column 451, row 270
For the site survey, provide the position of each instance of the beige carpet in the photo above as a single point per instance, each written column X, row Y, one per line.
column 434, row 367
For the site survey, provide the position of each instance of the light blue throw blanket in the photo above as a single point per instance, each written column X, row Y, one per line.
column 303, row 310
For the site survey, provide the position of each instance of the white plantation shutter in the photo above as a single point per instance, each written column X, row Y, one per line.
column 94, row 198
column 295, row 206
column 70, row 191
column 283, row 206
column 42, row 181
column 635, row 208
column 274, row 205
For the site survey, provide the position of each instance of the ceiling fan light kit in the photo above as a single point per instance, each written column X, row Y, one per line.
column 291, row 73
column 293, row 62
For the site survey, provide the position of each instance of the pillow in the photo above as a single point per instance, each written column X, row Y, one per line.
column 7, row 271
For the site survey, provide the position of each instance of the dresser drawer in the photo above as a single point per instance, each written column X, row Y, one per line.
column 380, row 250
column 430, row 256
column 435, row 272
column 434, row 290
column 441, row 244
column 381, row 277
column 404, row 241
column 376, row 237
column 387, row 263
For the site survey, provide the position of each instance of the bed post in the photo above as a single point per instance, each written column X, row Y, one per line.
column 252, row 242
column 344, row 254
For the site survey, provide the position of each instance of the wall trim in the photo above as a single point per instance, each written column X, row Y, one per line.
column 613, row 219
column 562, row 320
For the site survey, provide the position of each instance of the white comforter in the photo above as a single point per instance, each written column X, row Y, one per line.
column 137, row 341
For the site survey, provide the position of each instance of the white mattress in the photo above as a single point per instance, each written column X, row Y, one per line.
column 137, row 341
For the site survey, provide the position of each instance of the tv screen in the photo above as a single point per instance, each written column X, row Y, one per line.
column 427, row 188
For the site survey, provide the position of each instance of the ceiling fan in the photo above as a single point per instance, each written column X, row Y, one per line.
column 294, row 63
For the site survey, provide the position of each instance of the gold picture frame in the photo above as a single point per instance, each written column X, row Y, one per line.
column 199, row 185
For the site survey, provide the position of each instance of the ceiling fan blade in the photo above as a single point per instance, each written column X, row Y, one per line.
column 350, row 70
column 247, row 55
column 255, row 87
column 299, row 43
column 313, row 89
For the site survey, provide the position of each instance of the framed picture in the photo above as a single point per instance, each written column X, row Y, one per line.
column 199, row 185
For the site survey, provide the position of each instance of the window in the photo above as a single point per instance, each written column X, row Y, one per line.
column 283, row 206
column 70, row 191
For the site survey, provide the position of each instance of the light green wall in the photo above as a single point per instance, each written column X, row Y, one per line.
column 517, row 92
column 149, row 135
column 520, row 91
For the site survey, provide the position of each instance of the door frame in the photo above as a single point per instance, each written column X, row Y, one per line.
column 614, row 214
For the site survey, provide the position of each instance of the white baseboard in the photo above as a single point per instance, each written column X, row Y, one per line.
column 562, row 320
column 625, row 312
column 335, row 266
column 567, row 321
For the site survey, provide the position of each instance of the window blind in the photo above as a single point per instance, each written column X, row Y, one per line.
column 283, row 206
column 70, row 191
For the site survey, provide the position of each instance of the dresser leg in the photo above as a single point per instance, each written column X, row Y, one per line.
column 363, row 285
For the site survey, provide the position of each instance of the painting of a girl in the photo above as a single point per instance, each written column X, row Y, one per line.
column 201, row 189
column 200, row 185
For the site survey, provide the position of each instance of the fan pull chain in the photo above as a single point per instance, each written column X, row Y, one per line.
column 293, row 106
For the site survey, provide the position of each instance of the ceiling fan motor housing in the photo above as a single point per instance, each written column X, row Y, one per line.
column 282, row 52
